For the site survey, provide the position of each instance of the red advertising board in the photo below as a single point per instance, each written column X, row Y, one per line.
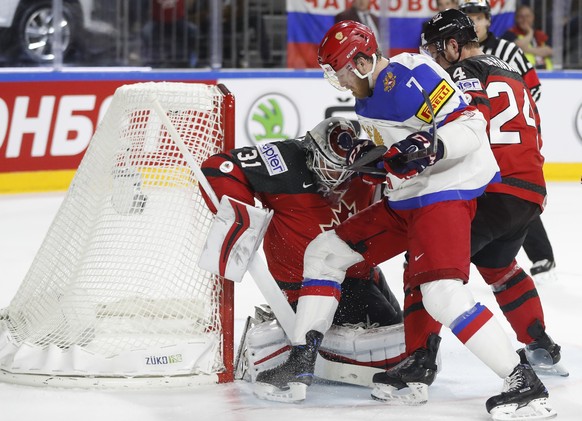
column 48, row 125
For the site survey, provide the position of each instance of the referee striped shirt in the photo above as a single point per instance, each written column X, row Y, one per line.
column 513, row 55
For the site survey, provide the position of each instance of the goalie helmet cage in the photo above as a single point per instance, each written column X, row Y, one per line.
column 114, row 296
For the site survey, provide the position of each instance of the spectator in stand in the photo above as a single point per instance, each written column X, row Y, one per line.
column 235, row 18
column 533, row 42
column 360, row 12
column 170, row 38
column 447, row 4
column 480, row 13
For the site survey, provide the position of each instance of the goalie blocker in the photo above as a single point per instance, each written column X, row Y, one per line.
column 234, row 236
column 349, row 354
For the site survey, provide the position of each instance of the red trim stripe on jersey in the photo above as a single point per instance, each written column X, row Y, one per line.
column 468, row 323
column 241, row 224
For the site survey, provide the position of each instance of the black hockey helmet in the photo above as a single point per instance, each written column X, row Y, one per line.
column 475, row 6
column 451, row 23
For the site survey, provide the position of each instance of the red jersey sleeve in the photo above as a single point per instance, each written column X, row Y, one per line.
column 226, row 178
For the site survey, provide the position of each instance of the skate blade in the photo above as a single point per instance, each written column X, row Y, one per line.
column 294, row 394
column 553, row 370
column 537, row 409
column 545, row 277
column 413, row 395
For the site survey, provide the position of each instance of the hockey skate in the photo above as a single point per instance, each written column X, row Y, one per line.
column 543, row 354
column 407, row 383
column 524, row 397
column 288, row 382
column 543, row 271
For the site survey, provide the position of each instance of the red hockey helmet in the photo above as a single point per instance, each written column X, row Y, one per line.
column 340, row 46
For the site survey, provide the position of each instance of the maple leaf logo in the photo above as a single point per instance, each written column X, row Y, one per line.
column 340, row 213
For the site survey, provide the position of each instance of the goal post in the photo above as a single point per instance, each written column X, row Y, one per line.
column 114, row 296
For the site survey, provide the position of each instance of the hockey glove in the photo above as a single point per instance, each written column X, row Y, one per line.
column 362, row 147
column 395, row 158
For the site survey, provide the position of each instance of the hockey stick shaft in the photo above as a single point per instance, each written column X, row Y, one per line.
column 362, row 164
column 257, row 267
column 433, row 147
column 435, row 142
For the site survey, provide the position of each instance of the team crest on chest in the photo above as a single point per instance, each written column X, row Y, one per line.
column 374, row 135
column 389, row 81
column 341, row 212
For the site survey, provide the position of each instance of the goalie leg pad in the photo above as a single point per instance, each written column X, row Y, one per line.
column 352, row 354
column 348, row 354
column 233, row 238
column 381, row 347
column 267, row 347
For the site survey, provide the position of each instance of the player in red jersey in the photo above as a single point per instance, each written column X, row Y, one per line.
column 505, row 209
column 305, row 183
column 536, row 245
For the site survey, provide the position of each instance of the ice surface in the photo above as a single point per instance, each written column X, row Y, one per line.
column 459, row 392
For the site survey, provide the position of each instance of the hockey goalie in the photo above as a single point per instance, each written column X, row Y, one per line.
column 303, row 189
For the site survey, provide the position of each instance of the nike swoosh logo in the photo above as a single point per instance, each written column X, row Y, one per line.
column 307, row 185
column 418, row 257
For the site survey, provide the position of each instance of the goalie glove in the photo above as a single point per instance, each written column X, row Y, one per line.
column 233, row 238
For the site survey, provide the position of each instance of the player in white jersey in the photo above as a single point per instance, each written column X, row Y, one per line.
column 433, row 181
column 397, row 110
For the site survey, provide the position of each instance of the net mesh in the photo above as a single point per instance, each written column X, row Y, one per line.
column 115, row 289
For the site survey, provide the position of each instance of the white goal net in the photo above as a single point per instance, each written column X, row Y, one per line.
column 114, row 295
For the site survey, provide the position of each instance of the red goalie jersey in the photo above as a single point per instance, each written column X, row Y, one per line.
column 278, row 176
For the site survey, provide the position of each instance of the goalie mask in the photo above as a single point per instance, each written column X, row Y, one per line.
column 451, row 23
column 340, row 47
column 329, row 143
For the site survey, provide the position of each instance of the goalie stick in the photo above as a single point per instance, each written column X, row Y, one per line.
column 362, row 165
column 257, row 267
